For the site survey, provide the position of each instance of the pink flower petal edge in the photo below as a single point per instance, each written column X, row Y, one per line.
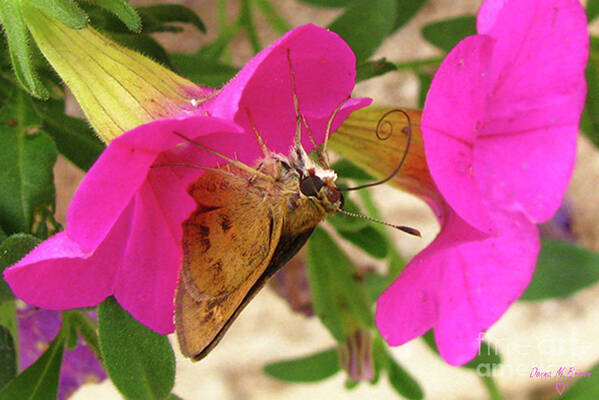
column 450, row 288
column 521, row 83
column 324, row 68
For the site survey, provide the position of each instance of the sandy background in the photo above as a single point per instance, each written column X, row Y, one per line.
column 544, row 335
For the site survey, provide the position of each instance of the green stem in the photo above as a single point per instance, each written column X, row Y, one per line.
column 247, row 21
column 220, row 44
column 278, row 23
column 222, row 26
column 8, row 318
column 492, row 389
column 417, row 64
column 396, row 262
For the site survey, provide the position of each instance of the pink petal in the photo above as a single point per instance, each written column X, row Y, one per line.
column 450, row 121
column 147, row 277
column 324, row 69
column 480, row 281
column 487, row 14
column 59, row 275
column 409, row 307
column 119, row 172
column 527, row 172
column 537, row 98
column 460, row 287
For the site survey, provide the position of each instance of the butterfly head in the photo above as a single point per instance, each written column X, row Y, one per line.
column 316, row 183
column 323, row 189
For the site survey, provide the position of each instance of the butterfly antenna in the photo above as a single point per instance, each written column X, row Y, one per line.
column 257, row 134
column 406, row 229
column 327, row 132
column 403, row 158
column 298, row 131
column 189, row 165
column 233, row 162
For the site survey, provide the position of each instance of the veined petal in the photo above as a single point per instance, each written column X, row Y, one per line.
column 480, row 281
column 455, row 106
column 59, row 275
column 120, row 171
column 410, row 306
column 460, row 285
column 536, row 101
column 146, row 280
column 324, row 70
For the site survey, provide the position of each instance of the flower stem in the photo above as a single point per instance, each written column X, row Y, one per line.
column 222, row 26
column 417, row 64
column 492, row 388
column 278, row 23
column 8, row 319
column 247, row 21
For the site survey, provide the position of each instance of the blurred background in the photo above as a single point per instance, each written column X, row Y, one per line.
column 546, row 334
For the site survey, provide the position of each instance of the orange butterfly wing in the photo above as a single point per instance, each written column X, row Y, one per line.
column 228, row 244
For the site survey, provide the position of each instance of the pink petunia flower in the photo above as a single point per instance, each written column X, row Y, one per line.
column 499, row 129
column 123, row 230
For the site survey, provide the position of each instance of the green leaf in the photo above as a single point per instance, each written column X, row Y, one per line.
column 338, row 300
column 345, row 222
column 406, row 9
column 369, row 239
column 12, row 250
column 376, row 284
column 8, row 356
column 246, row 20
column 2, row 235
column 8, row 319
column 173, row 396
column 27, row 156
column 488, row 357
column 323, row 297
column 371, row 69
column 329, row 3
column 72, row 338
column 123, row 11
column 589, row 122
column 139, row 361
column 347, row 170
column 365, row 24
column 144, row 44
column 351, row 385
column 21, row 53
column 40, row 380
column 86, row 328
column 562, row 269
column 592, row 9
column 380, row 358
column 202, row 69
column 403, row 382
column 271, row 15
column 65, row 11
column 74, row 138
column 165, row 13
column 424, row 84
column 446, row 34
column 586, row 387
column 313, row 368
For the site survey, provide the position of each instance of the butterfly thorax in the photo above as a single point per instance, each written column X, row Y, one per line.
column 308, row 191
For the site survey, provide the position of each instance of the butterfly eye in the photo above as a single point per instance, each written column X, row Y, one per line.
column 310, row 185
